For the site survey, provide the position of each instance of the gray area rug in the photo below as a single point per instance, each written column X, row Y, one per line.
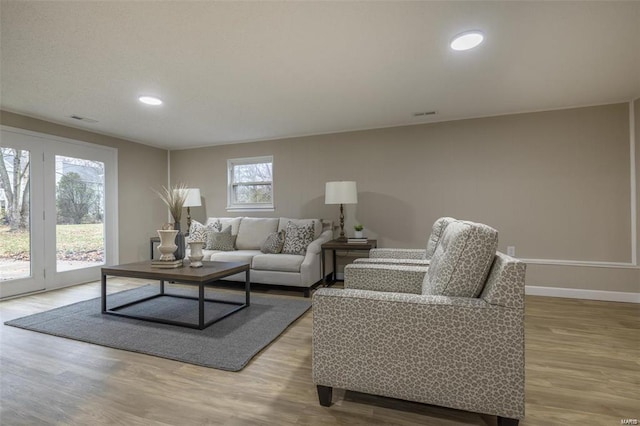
column 228, row 344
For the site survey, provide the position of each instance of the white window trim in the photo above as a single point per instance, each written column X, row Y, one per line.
column 231, row 207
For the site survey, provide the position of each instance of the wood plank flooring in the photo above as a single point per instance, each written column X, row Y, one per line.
column 582, row 367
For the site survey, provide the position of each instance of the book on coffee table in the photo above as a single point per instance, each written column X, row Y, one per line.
column 166, row 263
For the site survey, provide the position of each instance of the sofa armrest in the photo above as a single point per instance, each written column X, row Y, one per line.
column 394, row 253
column 311, row 267
column 455, row 352
column 389, row 278
column 392, row 261
column 316, row 245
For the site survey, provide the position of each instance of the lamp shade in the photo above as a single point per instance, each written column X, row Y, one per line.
column 342, row 192
column 193, row 198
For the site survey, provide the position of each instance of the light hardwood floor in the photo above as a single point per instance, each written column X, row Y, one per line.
column 582, row 367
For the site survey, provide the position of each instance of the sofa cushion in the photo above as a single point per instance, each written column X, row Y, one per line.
column 226, row 221
column 207, row 254
column 222, row 240
column 297, row 238
column 235, row 256
column 274, row 243
column 277, row 262
column 461, row 261
column 317, row 225
column 253, row 231
column 436, row 234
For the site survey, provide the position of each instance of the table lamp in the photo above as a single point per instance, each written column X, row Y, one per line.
column 342, row 192
column 192, row 200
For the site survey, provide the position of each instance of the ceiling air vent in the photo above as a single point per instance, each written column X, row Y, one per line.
column 421, row 114
column 85, row 119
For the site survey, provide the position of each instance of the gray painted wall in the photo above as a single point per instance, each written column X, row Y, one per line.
column 556, row 184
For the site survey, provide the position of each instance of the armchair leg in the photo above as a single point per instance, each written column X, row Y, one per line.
column 505, row 421
column 324, row 395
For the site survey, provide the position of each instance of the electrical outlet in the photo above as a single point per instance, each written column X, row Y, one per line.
column 511, row 250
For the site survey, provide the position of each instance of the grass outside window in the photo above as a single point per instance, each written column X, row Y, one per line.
column 74, row 242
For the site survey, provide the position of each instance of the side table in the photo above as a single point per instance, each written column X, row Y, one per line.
column 152, row 241
column 335, row 245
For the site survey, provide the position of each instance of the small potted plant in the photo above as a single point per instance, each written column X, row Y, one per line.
column 358, row 230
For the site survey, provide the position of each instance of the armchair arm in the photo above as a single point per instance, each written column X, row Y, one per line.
column 396, row 253
column 392, row 261
column 391, row 278
column 455, row 352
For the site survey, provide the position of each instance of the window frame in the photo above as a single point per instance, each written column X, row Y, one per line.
column 231, row 164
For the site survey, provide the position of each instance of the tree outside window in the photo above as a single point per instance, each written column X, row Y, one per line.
column 14, row 181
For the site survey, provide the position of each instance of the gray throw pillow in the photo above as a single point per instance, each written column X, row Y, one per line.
column 297, row 238
column 274, row 243
column 211, row 229
column 222, row 240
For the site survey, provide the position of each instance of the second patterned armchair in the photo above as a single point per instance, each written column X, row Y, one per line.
column 416, row 257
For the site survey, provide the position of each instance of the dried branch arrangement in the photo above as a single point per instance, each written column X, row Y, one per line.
column 174, row 197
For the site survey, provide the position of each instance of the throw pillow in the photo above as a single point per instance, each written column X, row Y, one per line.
column 297, row 238
column 212, row 228
column 222, row 240
column 197, row 232
column 216, row 226
column 274, row 243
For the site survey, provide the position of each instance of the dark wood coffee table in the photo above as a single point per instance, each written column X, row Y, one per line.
column 207, row 275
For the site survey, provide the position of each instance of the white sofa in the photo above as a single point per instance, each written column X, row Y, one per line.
column 304, row 271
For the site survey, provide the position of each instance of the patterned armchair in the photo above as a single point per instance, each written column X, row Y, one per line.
column 417, row 257
column 449, row 335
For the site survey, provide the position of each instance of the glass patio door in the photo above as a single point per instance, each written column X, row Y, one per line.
column 21, row 237
column 62, row 227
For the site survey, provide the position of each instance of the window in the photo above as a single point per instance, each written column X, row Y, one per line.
column 250, row 183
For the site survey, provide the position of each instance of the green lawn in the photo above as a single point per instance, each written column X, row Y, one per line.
column 73, row 242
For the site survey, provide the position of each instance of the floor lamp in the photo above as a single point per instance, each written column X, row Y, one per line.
column 342, row 192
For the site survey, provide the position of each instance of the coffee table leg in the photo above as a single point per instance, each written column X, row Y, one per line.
column 247, row 288
column 161, row 286
column 201, row 305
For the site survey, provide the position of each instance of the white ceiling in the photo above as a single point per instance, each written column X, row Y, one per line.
column 242, row 71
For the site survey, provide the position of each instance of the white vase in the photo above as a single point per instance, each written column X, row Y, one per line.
column 195, row 253
column 167, row 244
column 358, row 234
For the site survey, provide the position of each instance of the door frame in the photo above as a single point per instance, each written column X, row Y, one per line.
column 43, row 238
column 35, row 281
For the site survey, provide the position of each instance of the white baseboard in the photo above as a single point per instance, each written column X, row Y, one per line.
column 578, row 293
column 572, row 293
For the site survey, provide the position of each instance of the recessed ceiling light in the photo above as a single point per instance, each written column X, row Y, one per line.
column 467, row 40
column 150, row 100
